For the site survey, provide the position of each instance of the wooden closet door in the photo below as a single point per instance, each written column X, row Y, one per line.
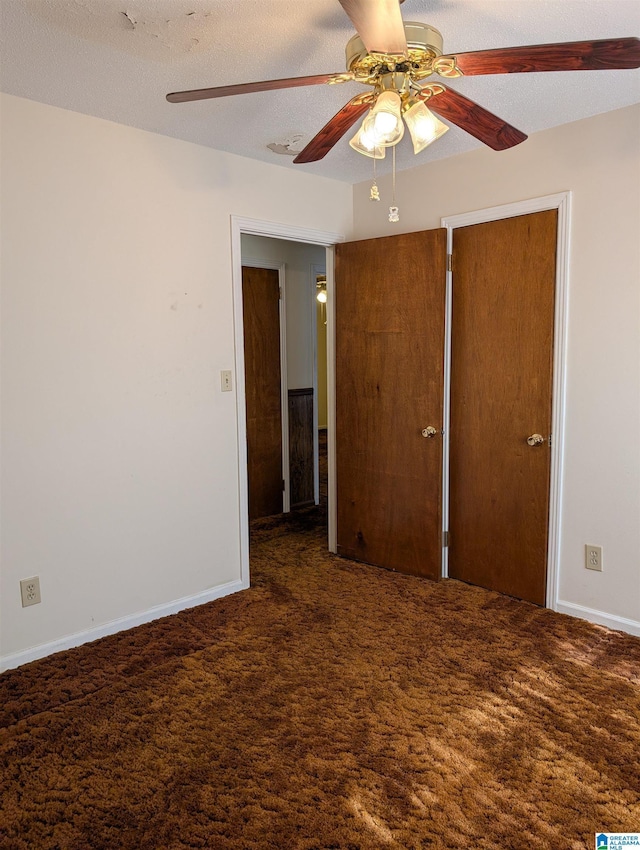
column 501, row 390
column 390, row 308
column 261, row 314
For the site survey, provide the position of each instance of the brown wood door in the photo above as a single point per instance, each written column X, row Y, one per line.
column 501, row 390
column 301, row 471
column 390, row 304
column 261, row 310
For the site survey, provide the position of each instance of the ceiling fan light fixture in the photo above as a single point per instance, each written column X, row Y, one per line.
column 424, row 126
column 384, row 122
column 364, row 143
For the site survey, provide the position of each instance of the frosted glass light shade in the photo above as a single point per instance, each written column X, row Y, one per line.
column 384, row 122
column 423, row 125
column 364, row 143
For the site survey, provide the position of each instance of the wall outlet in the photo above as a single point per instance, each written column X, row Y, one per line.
column 226, row 383
column 30, row 591
column 593, row 557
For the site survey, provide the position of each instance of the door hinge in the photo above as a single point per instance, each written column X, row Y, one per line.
column 445, row 539
column 449, row 262
column 550, row 436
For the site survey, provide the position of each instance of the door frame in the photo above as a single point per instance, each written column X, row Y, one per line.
column 562, row 203
column 290, row 233
column 284, row 407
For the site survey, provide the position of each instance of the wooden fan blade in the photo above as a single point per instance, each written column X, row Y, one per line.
column 379, row 24
column 606, row 54
column 332, row 132
column 246, row 88
column 475, row 120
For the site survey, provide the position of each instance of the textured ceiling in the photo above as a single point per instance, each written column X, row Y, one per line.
column 117, row 59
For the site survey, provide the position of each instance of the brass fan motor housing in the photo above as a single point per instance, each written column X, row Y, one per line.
column 424, row 46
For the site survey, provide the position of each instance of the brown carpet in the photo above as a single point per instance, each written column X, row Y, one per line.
column 332, row 705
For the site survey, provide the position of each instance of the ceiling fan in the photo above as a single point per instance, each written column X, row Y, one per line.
column 396, row 59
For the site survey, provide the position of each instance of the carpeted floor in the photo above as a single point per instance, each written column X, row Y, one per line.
column 332, row 705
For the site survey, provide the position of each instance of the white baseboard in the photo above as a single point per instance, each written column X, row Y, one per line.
column 7, row 662
column 611, row 621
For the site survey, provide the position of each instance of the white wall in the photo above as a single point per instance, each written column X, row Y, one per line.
column 299, row 260
column 598, row 160
column 119, row 474
column 119, row 470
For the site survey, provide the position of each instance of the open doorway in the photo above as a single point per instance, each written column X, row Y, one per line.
column 289, row 377
column 304, row 261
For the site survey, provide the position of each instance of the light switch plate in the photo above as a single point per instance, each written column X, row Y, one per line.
column 226, row 382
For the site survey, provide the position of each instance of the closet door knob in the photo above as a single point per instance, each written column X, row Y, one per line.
column 429, row 431
column 535, row 440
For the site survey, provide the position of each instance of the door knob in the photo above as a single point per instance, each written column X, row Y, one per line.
column 535, row 440
column 429, row 431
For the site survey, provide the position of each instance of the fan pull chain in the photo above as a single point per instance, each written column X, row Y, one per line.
column 393, row 209
column 374, row 194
